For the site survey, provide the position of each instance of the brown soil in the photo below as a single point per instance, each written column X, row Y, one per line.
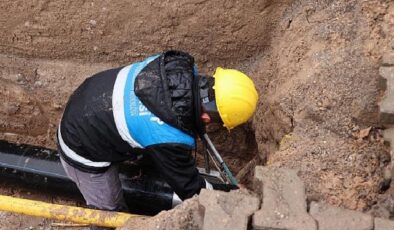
column 319, row 80
column 315, row 64
column 189, row 215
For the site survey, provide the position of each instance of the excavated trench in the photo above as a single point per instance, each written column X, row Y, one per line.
column 315, row 64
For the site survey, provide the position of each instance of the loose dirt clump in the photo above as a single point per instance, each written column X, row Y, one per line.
column 189, row 215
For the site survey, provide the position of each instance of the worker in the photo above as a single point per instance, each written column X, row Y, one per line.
column 157, row 108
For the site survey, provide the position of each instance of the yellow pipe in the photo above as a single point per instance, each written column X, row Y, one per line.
column 64, row 212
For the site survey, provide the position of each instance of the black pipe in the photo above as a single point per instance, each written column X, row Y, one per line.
column 145, row 193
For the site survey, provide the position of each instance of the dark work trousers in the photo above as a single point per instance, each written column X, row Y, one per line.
column 100, row 190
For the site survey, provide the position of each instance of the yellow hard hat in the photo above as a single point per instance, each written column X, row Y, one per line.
column 236, row 96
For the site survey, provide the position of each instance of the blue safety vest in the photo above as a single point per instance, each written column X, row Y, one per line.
column 143, row 126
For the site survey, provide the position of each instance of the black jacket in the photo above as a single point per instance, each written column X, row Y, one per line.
column 165, row 86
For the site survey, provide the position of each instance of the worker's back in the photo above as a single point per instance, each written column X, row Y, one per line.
column 88, row 123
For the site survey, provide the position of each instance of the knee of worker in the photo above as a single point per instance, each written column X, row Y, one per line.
column 104, row 195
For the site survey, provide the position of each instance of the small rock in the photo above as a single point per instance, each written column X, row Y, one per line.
column 388, row 59
column 38, row 83
column 12, row 109
column 383, row 224
column 330, row 217
column 355, row 128
column 358, row 180
column 19, row 77
column 57, row 106
column 384, row 185
column 227, row 210
column 326, row 103
column 93, row 22
column 387, row 172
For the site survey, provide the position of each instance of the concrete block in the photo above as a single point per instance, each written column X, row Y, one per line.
column 388, row 135
column 284, row 200
column 382, row 83
column 386, row 82
column 383, row 224
column 227, row 210
column 387, row 104
column 386, row 109
column 333, row 218
column 387, row 72
column 388, row 59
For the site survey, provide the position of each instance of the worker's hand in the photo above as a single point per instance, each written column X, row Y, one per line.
column 224, row 187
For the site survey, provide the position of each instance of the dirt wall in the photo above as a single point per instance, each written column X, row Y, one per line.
column 214, row 31
column 319, row 81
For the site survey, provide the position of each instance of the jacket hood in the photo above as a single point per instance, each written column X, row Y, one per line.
column 168, row 88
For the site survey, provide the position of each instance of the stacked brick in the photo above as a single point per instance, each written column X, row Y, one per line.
column 283, row 207
column 386, row 105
